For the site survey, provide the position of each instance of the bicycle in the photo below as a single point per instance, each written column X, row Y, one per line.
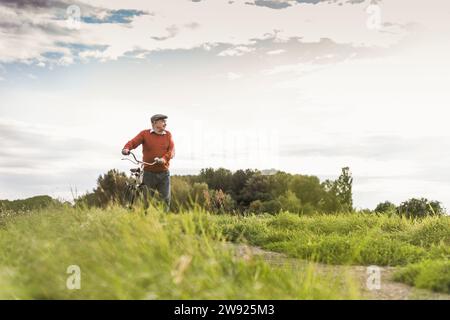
column 136, row 191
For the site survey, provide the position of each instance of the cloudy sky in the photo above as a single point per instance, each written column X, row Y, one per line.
column 305, row 86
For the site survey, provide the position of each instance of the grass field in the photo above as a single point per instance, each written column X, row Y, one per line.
column 421, row 248
column 129, row 255
column 125, row 255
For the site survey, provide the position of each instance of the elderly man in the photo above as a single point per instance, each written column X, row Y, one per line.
column 157, row 145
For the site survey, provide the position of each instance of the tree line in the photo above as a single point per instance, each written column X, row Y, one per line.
column 29, row 204
column 254, row 191
column 243, row 191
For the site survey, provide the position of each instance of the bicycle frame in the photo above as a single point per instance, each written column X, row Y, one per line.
column 138, row 173
column 138, row 189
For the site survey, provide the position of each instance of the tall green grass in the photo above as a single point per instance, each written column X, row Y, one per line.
column 361, row 239
column 128, row 255
column 427, row 274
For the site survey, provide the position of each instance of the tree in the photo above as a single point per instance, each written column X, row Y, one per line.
column 271, row 206
column 110, row 189
column 200, row 193
column 384, row 207
column 290, row 202
column 279, row 183
column 344, row 189
column 220, row 179
column 307, row 189
column 337, row 195
column 417, row 208
column 256, row 206
column 257, row 188
column 89, row 199
column 329, row 201
column 238, row 182
column 219, row 201
column 29, row 204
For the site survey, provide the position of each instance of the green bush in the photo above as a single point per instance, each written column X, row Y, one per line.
column 428, row 274
column 431, row 231
column 286, row 221
column 334, row 249
column 387, row 252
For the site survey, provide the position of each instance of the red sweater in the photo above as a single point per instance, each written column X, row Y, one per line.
column 154, row 145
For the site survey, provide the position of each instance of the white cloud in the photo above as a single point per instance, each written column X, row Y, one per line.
column 274, row 52
column 237, row 24
column 65, row 61
column 96, row 54
column 236, row 51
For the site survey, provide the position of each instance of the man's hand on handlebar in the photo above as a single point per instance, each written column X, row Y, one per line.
column 126, row 152
column 160, row 160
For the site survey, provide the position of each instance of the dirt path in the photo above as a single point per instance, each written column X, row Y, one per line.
column 388, row 289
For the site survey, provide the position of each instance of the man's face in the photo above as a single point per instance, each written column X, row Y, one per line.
column 159, row 125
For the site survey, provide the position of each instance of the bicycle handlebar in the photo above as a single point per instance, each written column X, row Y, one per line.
column 136, row 161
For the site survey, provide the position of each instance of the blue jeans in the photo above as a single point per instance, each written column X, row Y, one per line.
column 159, row 181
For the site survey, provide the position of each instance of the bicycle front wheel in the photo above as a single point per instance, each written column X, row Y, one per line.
column 142, row 195
column 130, row 196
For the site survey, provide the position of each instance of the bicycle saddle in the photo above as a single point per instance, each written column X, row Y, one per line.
column 135, row 170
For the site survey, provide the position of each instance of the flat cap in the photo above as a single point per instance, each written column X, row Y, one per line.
column 157, row 117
